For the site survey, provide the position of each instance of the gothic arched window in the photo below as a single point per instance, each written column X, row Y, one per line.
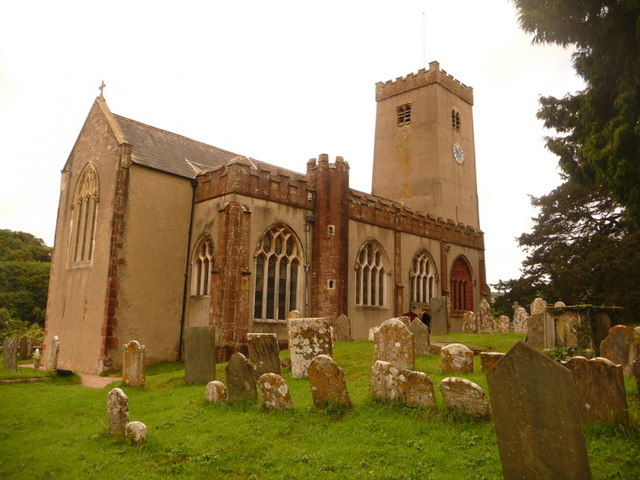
column 201, row 270
column 85, row 210
column 461, row 286
column 371, row 279
column 279, row 274
column 422, row 278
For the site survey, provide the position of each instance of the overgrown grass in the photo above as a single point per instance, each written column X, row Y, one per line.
column 57, row 430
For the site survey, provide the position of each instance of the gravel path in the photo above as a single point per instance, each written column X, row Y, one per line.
column 88, row 380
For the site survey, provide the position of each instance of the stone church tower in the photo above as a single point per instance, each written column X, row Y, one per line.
column 424, row 150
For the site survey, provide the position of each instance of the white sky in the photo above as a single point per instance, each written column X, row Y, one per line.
column 280, row 81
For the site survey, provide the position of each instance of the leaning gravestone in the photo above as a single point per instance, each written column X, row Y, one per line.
column 52, row 351
column 342, row 328
column 10, row 354
column 133, row 373
column 520, row 320
column 327, row 383
column 620, row 347
column 394, row 344
column 456, row 357
column 464, row 396
column 439, row 315
column 117, row 411
column 264, row 353
column 199, row 354
column 421, row 342
column 308, row 338
column 469, row 324
column 485, row 317
column 599, row 389
column 536, row 418
column 275, row 392
column 241, row 379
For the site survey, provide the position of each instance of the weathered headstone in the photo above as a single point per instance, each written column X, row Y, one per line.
column 327, row 382
column 538, row 306
column 241, row 379
column 216, row 392
column 559, row 304
column 136, row 432
column 36, row 360
column 503, row 324
column 10, row 352
column 636, row 372
column 199, row 354
column 52, row 351
column 372, row 334
column 519, row 323
column 489, row 359
column 541, row 330
column 599, row 389
column 24, row 348
column 420, row 331
column 565, row 328
column 469, row 323
column 308, row 338
column 342, row 328
column 275, row 392
column 465, row 396
column 394, row 344
column 133, row 373
column 264, row 353
column 384, row 381
column 439, row 315
column 485, row 317
column 620, row 346
column 117, row 411
column 536, row 419
column 456, row 357
column 389, row 383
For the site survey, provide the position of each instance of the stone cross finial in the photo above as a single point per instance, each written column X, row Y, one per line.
column 101, row 88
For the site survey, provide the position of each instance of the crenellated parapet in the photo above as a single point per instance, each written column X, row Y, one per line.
column 422, row 78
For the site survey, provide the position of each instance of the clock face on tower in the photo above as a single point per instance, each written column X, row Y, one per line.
column 458, row 153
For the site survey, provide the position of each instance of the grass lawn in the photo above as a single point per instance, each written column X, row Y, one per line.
column 57, row 429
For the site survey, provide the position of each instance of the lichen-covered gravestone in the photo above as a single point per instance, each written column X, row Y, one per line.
column 199, row 354
column 241, row 379
column 52, row 351
column 456, row 357
column 327, row 382
column 485, row 317
column 503, row 324
column 275, row 392
column 421, row 342
column 464, row 396
column 216, row 392
column 10, row 354
column 308, row 338
column 133, row 373
column 538, row 306
column 469, row 324
column 599, row 389
column 620, row 347
column 117, row 411
column 389, row 383
column 136, row 432
column 264, row 353
column 520, row 320
column 536, row 418
column 489, row 359
column 394, row 344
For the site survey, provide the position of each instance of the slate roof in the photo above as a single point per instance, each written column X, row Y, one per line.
column 170, row 152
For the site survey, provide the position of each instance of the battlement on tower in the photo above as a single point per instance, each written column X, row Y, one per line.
column 422, row 78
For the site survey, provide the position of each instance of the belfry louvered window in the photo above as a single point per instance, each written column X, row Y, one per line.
column 404, row 115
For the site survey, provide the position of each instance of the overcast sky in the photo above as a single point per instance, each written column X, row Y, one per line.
column 280, row 81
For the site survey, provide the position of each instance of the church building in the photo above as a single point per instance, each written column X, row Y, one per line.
column 157, row 232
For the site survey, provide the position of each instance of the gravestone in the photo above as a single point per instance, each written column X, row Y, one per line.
column 464, row 396
column 308, row 338
column 394, row 344
column 536, row 417
column 10, row 352
column 620, row 347
column 24, row 348
column 456, row 357
column 599, row 389
column 503, row 324
column 389, row 383
column 264, row 353
column 439, row 315
column 117, row 411
column 565, row 328
column 52, row 351
column 469, row 324
column 199, row 354
column 538, row 306
column 136, row 432
column 636, row 372
column 327, row 383
column 559, row 304
column 36, row 360
column 421, row 342
column 241, row 379
column 133, row 373
column 342, row 328
column 489, row 359
column 636, row 330
column 541, row 330
column 275, row 392
column 519, row 323
column 485, row 317
column 216, row 392
column 372, row 334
